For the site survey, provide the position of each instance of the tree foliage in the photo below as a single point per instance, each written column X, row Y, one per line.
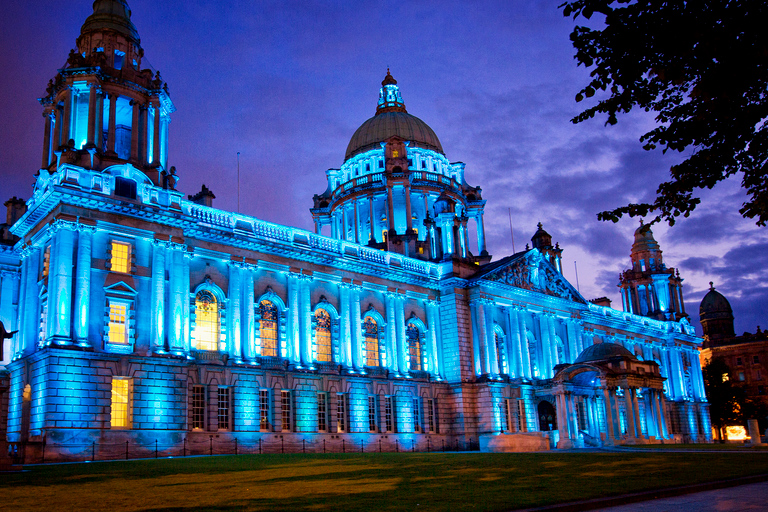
column 702, row 67
column 729, row 404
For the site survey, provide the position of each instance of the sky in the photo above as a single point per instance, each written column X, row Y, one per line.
column 287, row 83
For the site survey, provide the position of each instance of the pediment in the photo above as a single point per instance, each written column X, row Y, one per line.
column 122, row 285
column 531, row 271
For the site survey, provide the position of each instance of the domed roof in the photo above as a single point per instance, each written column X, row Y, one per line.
column 644, row 240
column 714, row 302
column 111, row 15
column 602, row 351
column 392, row 119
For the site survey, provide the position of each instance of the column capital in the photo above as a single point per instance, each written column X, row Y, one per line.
column 86, row 228
column 59, row 224
column 10, row 274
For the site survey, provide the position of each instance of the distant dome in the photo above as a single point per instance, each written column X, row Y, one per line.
column 111, row 15
column 603, row 351
column 391, row 119
column 715, row 305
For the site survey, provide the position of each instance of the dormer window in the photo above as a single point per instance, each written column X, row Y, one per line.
column 125, row 187
column 119, row 57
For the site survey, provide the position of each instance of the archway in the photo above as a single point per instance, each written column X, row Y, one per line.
column 547, row 416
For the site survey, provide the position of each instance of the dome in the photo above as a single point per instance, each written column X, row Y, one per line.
column 714, row 304
column 644, row 240
column 111, row 15
column 392, row 119
column 603, row 351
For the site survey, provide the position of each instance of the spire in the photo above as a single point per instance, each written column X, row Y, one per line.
column 389, row 96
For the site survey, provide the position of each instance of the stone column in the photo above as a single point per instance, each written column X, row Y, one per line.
column 403, row 361
column 178, row 295
column 29, row 313
column 433, row 327
column 490, row 340
column 546, row 347
column 525, row 353
column 636, row 410
column 305, row 322
column 392, row 358
column 345, row 328
column 234, row 313
column 562, row 419
column 248, row 316
column 157, row 301
column 553, row 342
column 111, row 125
column 66, row 124
column 83, row 284
column 480, row 234
column 408, row 211
column 390, row 209
column 356, row 220
column 515, row 355
column 371, row 219
column 156, row 135
column 144, row 134
column 659, row 397
column 630, row 408
column 135, row 131
column 92, row 96
column 60, row 284
column 58, row 119
column 609, row 427
column 47, row 139
column 357, row 334
column 482, row 345
column 293, row 327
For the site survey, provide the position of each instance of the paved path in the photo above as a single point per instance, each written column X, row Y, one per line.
column 744, row 497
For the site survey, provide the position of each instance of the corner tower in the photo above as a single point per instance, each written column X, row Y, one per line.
column 103, row 109
column 398, row 192
column 716, row 318
column 649, row 288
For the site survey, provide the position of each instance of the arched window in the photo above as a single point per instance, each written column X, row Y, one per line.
column 268, row 328
column 207, row 327
column 413, row 338
column 371, row 329
column 323, row 336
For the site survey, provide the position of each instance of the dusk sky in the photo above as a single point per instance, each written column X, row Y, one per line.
column 287, row 83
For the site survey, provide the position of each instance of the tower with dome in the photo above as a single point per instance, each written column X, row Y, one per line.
column 151, row 319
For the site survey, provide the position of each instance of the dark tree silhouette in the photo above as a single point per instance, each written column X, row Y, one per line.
column 702, row 68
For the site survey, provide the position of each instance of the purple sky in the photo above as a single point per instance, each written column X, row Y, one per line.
column 287, row 83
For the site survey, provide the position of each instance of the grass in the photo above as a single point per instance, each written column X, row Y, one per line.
column 349, row 482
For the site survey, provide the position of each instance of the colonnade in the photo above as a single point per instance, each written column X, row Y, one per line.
column 149, row 126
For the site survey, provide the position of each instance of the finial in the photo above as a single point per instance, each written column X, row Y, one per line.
column 389, row 79
column 538, row 225
column 712, row 286
column 641, row 222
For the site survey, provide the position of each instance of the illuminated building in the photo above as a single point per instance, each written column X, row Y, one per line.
column 145, row 315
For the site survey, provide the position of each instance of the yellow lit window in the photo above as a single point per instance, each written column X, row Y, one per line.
column 371, row 330
column 121, row 396
column 46, row 261
column 206, row 321
column 118, row 320
column 323, row 336
column 121, row 257
column 268, row 328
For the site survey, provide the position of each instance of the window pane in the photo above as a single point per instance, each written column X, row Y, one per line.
column 322, row 417
column 264, row 409
column 198, row 407
column 206, row 321
column 286, row 410
column 413, row 338
column 323, row 336
column 224, row 408
column 120, row 397
column 121, row 257
column 118, row 315
column 268, row 328
column 371, row 341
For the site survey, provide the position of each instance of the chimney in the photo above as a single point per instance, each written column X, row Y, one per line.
column 15, row 209
column 205, row 197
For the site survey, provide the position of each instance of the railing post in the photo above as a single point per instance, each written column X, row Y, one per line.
column 282, row 445
column 93, row 451
column 235, row 446
column 259, row 446
column 413, row 446
column 361, row 446
column 443, row 440
column 155, row 448
column 126, row 450
column 210, row 450
column 323, row 445
column 185, row 446
column 427, row 445
column 303, row 446
column 343, row 447
column 397, row 446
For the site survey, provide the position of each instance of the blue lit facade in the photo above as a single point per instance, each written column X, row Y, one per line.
column 145, row 315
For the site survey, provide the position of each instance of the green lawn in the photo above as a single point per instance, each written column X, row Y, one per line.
column 452, row 481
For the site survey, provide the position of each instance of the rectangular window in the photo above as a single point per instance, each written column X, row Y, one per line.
column 46, row 261
column 431, row 416
column 504, row 415
column 741, row 376
column 388, row 413
column 416, row 415
column 372, row 414
column 121, row 402
column 341, row 413
column 224, row 405
column 198, row 407
column 264, row 409
column 758, row 375
column 286, row 410
column 738, row 361
column 522, row 426
column 756, row 359
column 121, row 257
column 119, row 56
column 118, row 322
column 322, row 413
